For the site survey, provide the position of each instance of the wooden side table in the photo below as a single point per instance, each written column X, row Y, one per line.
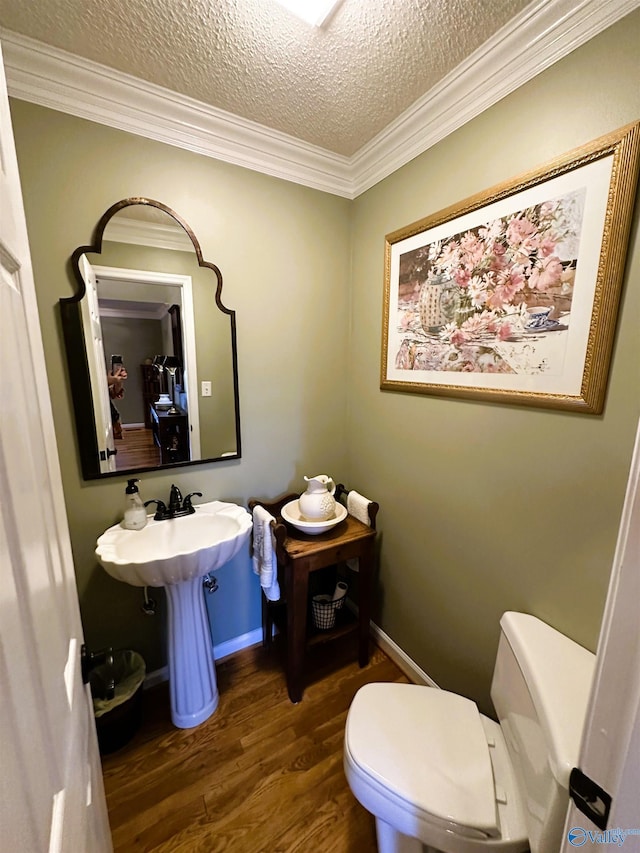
column 300, row 554
column 170, row 433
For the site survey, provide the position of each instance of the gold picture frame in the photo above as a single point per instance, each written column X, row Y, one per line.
column 512, row 294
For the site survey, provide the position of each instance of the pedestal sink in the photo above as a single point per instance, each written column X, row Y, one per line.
column 177, row 553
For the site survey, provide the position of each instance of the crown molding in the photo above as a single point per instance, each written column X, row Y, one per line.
column 546, row 31
column 120, row 310
column 122, row 229
column 59, row 80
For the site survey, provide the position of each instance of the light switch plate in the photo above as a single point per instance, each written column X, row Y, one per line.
column 206, row 389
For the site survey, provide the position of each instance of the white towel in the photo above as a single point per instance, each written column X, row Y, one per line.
column 265, row 563
column 358, row 507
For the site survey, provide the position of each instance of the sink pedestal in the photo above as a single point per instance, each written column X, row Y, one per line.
column 192, row 675
column 177, row 553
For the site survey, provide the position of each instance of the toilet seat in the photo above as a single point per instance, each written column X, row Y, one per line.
column 419, row 759
column 428, row 748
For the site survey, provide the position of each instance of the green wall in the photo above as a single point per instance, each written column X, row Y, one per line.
column 469, row 527
column 283, row 251
column 489, row 507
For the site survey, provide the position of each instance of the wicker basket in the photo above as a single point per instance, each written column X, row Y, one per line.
column 325, row 607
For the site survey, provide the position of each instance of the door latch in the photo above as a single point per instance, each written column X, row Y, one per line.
column 592, row 800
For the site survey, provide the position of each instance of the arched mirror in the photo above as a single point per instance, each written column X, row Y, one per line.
column 151, row 348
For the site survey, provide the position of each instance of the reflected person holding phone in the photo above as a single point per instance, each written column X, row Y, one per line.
column 115, row 377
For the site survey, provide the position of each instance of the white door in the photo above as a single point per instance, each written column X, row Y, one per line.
column 610, row 750
column 51, row 792
column 97, row 368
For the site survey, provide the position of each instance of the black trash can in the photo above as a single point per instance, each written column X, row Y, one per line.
column 116, row 688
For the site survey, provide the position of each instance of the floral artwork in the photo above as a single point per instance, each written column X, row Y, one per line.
column 513, row 293
column 483, row 282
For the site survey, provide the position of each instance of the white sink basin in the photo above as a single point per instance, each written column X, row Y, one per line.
column 177, row 549
column 177, row 553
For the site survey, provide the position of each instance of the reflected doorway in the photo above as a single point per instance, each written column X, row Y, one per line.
column 144, row 313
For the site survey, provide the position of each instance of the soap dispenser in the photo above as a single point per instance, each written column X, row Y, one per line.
column 135, row 514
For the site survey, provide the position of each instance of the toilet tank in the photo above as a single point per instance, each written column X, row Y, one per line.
column 540, row 691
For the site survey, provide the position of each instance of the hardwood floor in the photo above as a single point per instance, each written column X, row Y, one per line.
column 136, row 449
column 260, row 776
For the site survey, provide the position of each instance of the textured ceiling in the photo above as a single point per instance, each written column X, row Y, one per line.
column 335, row 87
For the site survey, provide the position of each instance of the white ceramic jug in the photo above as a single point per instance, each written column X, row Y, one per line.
column 318, row 503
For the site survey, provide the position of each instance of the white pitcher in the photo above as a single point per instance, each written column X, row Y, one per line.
column 318, row 503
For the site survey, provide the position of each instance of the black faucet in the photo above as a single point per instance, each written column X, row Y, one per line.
column 175, row 499
column 177, row 505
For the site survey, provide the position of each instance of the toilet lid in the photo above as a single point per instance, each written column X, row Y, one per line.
column 428, row 747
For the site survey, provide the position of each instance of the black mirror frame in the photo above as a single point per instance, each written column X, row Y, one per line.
column 78, row 367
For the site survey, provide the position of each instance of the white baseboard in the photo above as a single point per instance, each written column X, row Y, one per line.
column 221, row 651
column 236, row 644
column 401, row 659
column 229, row 647
column 152, row 679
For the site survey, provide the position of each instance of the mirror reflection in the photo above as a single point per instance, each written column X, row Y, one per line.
column 151, row 347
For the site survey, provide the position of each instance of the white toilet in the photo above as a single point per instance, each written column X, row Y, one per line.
column 439, row 776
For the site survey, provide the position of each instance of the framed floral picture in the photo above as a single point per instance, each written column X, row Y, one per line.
column 512, row 295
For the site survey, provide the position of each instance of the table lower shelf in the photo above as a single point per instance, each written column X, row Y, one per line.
column 346, row 623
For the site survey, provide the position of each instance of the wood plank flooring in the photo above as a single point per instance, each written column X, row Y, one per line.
column 260, row 775
column 136, row 449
